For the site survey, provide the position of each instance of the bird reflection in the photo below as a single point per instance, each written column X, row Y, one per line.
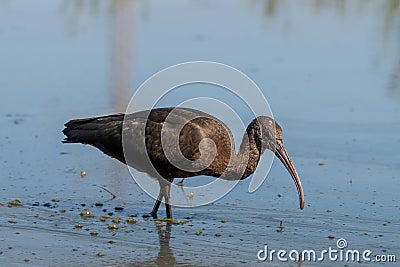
column 165, row 255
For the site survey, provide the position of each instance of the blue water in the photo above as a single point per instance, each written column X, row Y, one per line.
column 329, row 70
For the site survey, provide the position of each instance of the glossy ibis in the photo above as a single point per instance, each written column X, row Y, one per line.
column 106, row 133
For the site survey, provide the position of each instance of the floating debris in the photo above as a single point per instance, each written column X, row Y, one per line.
column 55, row 200
column 83, row 173
column 108, row 191
column 100, row 254
column 175, row 222
column 180, row 183
column 78, row 225
column 111, row 242
column 131, row 220
column 217, row 234
column 98, row 204
column 191, row 195
column 165, row 220
column 198, row 233
column 321, row 164
column 1, row 204
column 26, row 260
column 281, row 227
column 223, row 221
column 171, row 220
column 12, row 221
column 331, row 237
column 118, row 208
column 62, row 210
column 15, row 203
column 86, row 213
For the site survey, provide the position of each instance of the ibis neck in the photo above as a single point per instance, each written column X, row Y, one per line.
column 245, row 162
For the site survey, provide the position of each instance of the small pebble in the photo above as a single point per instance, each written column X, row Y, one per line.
column 113, row 226
column 131, row 220
column 15, row 202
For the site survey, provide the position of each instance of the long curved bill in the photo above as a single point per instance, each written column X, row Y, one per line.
column 283, row 156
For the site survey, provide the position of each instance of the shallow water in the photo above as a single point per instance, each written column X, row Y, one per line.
column 329, row 69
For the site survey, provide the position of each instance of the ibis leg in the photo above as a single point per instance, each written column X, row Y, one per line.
column 168, row 208
column 165, row 190
column 153, row 213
